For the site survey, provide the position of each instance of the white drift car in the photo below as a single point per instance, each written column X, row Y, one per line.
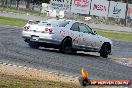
column 69, row 36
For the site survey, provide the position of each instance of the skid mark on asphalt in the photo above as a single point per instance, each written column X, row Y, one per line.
column 125, row 61
column 3, row 29
column 108, row 71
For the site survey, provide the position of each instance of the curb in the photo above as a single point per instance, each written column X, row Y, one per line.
column 28, row 68
column 11, row 26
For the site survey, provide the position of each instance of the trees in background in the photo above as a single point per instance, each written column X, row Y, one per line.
column 38, row 2
column 28, row 3
column 2, row 2
column 17, row 3
column 8, row 3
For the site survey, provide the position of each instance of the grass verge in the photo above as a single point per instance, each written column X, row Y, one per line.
column 12, row 21
column 8, row 81
column 20, row 11
column 14, row 77
column 124, row 36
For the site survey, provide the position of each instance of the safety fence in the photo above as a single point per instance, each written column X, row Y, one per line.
column 102, row 11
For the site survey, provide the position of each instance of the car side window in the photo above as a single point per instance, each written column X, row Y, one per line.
column 89, row 29
column 83, row 28
column 75, row 27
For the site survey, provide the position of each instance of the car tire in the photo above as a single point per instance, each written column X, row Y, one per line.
column 66, row 46
column 105, row 50
column 34, row 45
column 74, row 51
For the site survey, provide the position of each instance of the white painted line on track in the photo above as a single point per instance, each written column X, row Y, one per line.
column 4, row 63
column 50, row 72
column 25, row 67
column 14, row 65
column 20, row 66
column 9, row 64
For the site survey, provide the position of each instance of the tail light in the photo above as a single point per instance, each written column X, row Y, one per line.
column 48, row 30
column 26, row 28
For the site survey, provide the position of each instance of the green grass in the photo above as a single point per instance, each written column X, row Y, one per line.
column 125, row 36
column 20, row 10
column 12, row 21
column 19, row 82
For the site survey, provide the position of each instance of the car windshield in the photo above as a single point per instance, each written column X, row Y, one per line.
column 90, row 29
column 43, row 23
column 63, row 23
column 40, row 23
column 60, row 23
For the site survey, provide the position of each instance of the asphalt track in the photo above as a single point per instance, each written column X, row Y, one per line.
column 14, row 50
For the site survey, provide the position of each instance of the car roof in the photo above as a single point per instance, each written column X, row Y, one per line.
column 58, row 20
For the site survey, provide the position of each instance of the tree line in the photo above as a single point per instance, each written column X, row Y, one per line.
column 8, row 3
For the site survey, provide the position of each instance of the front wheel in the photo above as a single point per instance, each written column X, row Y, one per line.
column 105, row 50
column 34, row 45
column 74, row 51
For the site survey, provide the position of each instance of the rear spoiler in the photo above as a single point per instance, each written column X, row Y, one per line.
column 33, row 22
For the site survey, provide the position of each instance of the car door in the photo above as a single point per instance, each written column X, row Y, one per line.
column 75, row 33
column 88, row 37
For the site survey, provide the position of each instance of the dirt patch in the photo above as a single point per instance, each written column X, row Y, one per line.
column 34, row 74
column 46, row 79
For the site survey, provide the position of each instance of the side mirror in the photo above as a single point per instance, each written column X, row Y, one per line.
column 95, row 32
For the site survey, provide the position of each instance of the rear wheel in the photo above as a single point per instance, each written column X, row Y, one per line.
column 105, row 50
column 74, row 51
column 34, row 45
column 66, row 46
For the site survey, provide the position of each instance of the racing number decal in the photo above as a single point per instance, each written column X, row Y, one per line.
column 76, row 39
column 64, row 33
